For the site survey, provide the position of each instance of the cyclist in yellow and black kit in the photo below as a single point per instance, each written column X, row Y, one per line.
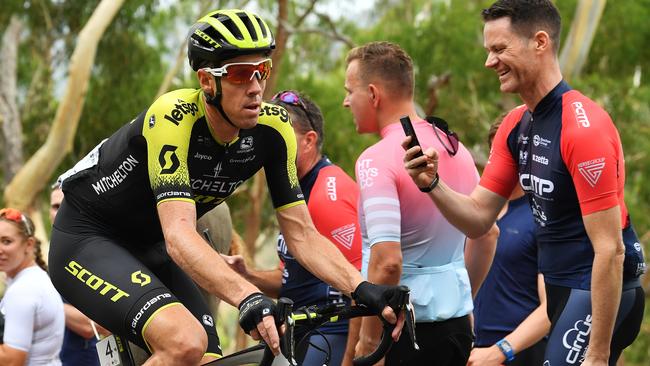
column 124, row 247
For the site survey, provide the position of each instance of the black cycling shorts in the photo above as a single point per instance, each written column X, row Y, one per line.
column 570, row 313
column 120, row 285
column 443, row 343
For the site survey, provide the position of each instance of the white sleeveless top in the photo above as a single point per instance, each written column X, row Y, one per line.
column 34, row 318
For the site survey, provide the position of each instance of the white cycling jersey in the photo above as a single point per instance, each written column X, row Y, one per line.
column 34, row 318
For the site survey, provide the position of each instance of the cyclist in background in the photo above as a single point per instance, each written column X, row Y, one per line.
column 565, row 152
column 124, row 245
column 510, row 306
column 331, row 197
column 405, row 239
column 33, row 310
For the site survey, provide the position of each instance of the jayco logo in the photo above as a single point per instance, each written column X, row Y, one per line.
column 202, row 156
column 575, row 339
column 366, row 173
column 181, row 108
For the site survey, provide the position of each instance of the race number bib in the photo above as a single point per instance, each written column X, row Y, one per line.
column 113, row 351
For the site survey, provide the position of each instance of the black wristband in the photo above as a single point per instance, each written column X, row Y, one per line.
column 431, row 186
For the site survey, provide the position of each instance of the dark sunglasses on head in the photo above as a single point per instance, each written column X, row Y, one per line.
column 452, row 138
column 291, row 98
column 16, row 216
column 243, row 72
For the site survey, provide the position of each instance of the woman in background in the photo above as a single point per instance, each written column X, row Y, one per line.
column 33, row 310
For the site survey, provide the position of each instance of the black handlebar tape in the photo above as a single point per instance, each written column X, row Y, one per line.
column 383, row 348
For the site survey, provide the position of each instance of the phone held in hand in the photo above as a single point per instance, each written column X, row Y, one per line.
column 410, row 131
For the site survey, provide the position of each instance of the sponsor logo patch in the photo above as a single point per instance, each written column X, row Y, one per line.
column 140, row 278
column 116, row 178
column 345, row 235
column 540, row 159
column 366, row 173
column 168, row 160
column 575, row 339
column 530, row 182
column 523, row 157
column 331, row 188
column 539, row 140
column 581, row 114
column 592, row 170
column 95, row 282
column 522, row 139
column 181, row 108
column 207, row 320
column 246, row 144
column 145, row 307
column 202, row 156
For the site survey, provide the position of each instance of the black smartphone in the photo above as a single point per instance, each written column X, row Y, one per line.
column 410, row 131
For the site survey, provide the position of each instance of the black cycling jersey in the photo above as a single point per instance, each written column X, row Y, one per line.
column 168, row 152
column 107, row 254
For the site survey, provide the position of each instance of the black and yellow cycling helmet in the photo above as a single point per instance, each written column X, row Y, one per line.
column 224, row 34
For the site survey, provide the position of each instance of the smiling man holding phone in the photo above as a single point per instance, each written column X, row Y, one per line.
column 405, row 238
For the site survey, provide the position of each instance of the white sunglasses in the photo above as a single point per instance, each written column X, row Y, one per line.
column 242, row 72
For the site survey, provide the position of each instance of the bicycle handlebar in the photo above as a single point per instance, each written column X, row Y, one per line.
column 313, row 317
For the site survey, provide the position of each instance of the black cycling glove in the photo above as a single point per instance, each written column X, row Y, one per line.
column 253, row 308
column 376, row 297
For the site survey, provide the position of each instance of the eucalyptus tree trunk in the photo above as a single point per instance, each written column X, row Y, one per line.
column 578, row 42
column 33, row 176
column 12, row 130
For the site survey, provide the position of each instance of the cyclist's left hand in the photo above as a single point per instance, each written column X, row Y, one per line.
column 379, row 298
column 491, row 356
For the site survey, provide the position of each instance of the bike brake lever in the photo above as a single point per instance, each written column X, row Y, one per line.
column 410, row 323
column 284, row 308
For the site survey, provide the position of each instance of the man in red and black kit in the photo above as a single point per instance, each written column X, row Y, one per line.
column 565, row 152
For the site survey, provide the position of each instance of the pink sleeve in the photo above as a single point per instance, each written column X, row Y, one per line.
column 500, row 173
column 379, row 198
column 590, row 148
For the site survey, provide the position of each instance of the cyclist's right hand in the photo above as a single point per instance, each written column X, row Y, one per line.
column 257, row 318
column 384, row 300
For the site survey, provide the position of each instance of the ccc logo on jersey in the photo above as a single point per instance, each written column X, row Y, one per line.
column 168, row 160
column 140, row 278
